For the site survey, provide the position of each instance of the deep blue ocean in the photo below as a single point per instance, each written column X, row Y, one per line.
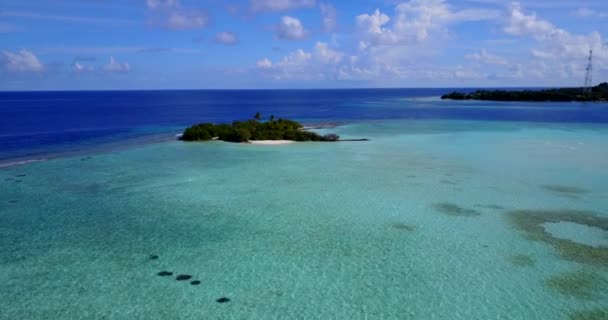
column 35, row 124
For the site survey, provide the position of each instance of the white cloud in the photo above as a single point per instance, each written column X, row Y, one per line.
column 556, row 42
column 280, row 5
column 326, row 64
column 415, row 21
column 373, row 30
column 327, row 55
column 586, row 13
column 329, row 16
column 322, row 63
column 403, row 46
column 484, row 57
column 227, row 38
column 291, row 29
column 389, row 51
column 294, row 65
column 116, row 67
column 541, row 54
column 186, row 19
column 407, row 47
column 79, row 67
column 559, row 54
column 22, row 61
column 155, row 4
column 520, row 24
column 295, row 59
column 264, row 63
column 170, row 14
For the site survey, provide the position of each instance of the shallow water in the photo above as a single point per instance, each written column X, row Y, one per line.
column 308, row 230
column 591, row 236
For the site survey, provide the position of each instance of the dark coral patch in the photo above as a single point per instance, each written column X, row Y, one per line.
column 599, row 314
column 489, row 206
column 402, row 226
column 580, row 284
column 183, row 277
column 530, row 222
column 521, row 260
column 222, row 300
column 451, row 209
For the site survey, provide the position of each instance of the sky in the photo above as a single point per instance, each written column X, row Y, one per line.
column 260, row 44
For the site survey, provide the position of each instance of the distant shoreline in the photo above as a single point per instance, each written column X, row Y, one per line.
column 598, row 93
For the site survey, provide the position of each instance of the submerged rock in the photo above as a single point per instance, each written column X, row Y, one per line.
column 222, row 300
column 565, row 190
column 195, row 282
column 183, row 277
column 350, row 140
column 451, row 209
column 490, row 206
column 165, row 273
column 521, row 260
column 402, row 226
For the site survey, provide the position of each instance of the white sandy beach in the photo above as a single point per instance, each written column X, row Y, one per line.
column 272, row 142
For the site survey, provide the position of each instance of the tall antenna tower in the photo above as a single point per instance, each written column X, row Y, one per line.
column 589, row 75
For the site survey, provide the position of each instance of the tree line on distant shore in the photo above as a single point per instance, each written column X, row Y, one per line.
column 597, row 93
column 254, row 129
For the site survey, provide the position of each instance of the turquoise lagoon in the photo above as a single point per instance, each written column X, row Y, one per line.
column 414, row 224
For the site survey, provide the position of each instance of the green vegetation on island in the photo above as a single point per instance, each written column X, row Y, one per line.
column 597, row 93
column 254, row 129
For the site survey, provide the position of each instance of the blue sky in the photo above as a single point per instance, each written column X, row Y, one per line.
column 198, row 44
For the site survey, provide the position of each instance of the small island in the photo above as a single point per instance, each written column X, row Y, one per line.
column 597, row 93
column 256, row 130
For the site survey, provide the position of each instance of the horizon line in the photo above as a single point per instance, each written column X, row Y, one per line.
column 288, row 89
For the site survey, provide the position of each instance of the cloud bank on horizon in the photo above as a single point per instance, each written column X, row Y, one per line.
column 181, row 44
